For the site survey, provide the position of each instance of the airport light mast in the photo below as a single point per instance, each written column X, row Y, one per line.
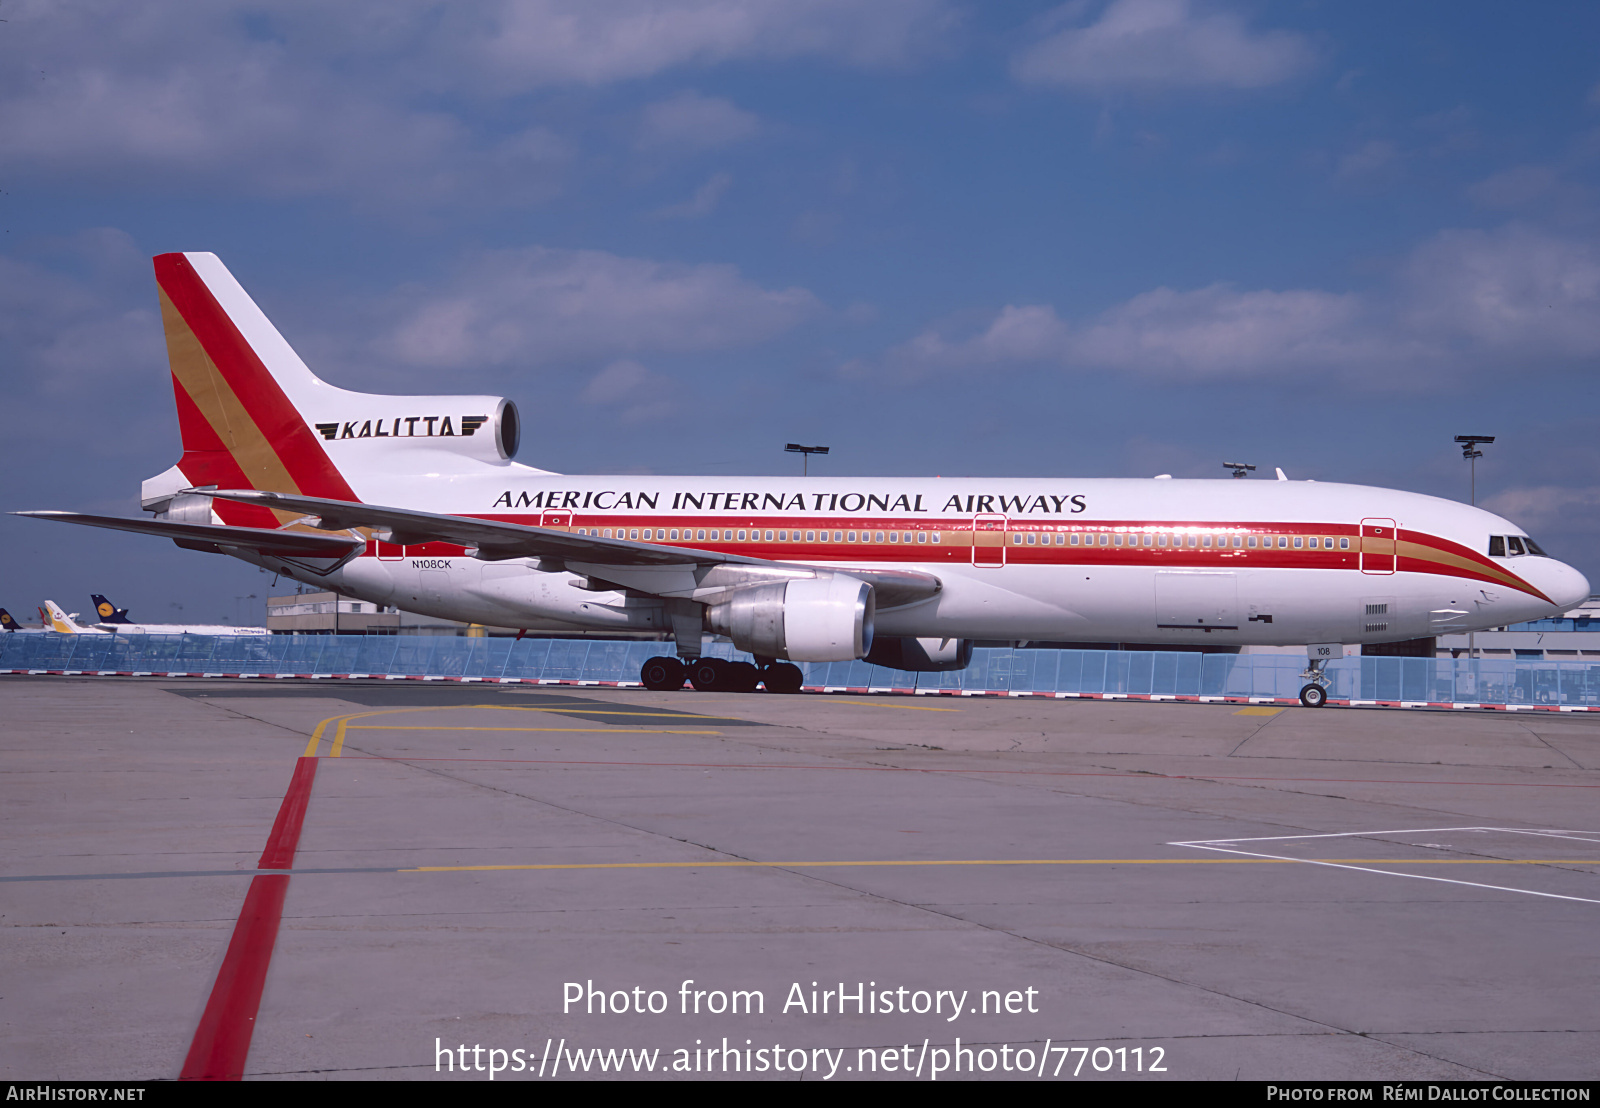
column 1240, row 469
column 1470, row 451
column 805, row 463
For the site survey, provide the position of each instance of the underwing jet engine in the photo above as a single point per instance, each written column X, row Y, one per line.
column 827, row 618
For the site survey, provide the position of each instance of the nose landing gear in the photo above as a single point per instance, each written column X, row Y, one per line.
column 1315, row 694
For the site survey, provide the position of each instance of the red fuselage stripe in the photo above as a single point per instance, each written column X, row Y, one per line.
column 868, row 549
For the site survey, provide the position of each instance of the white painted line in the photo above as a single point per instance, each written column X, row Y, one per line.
column 1375, row 834
column 1214, row 844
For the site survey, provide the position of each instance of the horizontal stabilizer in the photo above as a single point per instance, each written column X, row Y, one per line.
column 205, row 536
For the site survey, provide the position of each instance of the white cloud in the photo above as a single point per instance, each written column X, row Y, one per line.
column 1465, row 302
column 178, row 96
column 702, row 203
column 690, row 122
column 635, row 393
column 82, row 350
column 375, row 98
column 1161, row 44
column 1221, row 332
column 538, row 305
column 527, row 43
column 1539, row 190
column 1564, row 520
column 1373, row 162
column 1512, row 293
column 1029, row 333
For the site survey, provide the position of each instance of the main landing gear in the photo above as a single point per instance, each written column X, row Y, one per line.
column 664, row 674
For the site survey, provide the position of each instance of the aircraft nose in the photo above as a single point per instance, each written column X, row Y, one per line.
column 1567, row 587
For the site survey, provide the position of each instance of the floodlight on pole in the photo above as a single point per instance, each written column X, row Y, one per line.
column 1239, row 468
column 807, row 451
column 1470, row 451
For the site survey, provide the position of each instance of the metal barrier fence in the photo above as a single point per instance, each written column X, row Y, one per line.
column 1141, row 674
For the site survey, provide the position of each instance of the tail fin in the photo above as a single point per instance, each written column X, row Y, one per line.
column 108, row 612
column 236, row 383
column 9, row 621
column 253, row 416
column 59, row 621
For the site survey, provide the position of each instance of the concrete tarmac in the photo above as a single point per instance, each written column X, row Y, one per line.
column 1099, row 888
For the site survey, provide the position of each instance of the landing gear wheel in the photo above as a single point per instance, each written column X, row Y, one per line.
column 741, row 677
column 1313, row 696
column 706, row 674
column 782, row 677
column 662, row 674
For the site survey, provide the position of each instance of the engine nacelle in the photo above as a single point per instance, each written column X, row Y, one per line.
column 921, row 655
column 815, row 619
column 351, row 425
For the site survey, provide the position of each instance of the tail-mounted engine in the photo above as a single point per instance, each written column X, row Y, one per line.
column 352, row 423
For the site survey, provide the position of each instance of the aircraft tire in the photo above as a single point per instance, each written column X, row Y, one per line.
column 707, row 675
column 1313, row 696
column 782, row 677
column 662, row 674
column 741, row 677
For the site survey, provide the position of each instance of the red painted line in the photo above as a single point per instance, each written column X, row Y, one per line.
column 285, row 836
column 221, row 1042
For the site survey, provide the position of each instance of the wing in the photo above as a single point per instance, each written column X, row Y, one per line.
column 645, row 567
column 214, row 537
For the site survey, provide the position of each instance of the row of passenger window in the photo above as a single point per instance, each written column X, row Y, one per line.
column 674, row 534
column 1192, row 542
column 1018, row 538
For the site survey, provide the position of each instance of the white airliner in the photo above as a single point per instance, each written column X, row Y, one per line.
column 115, row 619
column 415, row 501
column 63, row 624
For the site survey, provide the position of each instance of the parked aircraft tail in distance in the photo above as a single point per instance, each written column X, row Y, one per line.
column 60, row 622
column 108, row 612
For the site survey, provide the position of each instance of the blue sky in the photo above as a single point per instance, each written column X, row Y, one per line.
column 1092, row 239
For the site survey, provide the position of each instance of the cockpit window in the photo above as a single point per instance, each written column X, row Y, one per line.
column 1513, row 546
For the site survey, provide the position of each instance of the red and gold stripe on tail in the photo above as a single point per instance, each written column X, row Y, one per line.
column 239, row 428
